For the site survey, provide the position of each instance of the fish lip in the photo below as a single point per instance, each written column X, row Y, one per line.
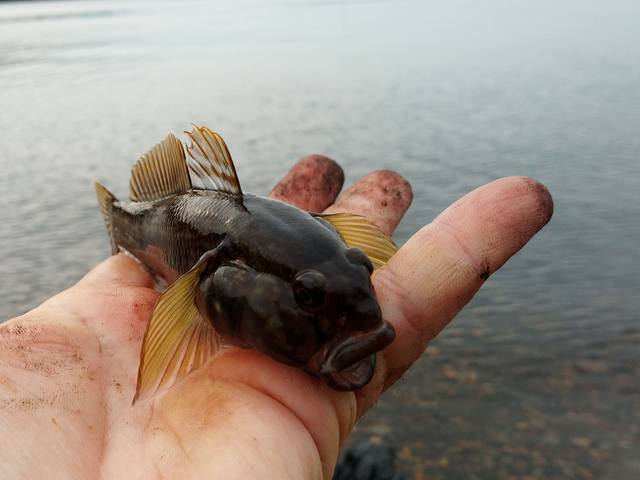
column 353, row 377
column 348, row 363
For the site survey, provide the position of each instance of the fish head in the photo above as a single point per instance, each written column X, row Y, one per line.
column 258, row 310
column 324, row 318
column 348, row 319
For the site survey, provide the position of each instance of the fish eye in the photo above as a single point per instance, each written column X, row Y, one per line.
column 307, row 298
column 309, row 288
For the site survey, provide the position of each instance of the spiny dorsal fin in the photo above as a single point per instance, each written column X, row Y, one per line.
column 211, row 162
column 357, row 231
column 178, row 340
column 161, row 172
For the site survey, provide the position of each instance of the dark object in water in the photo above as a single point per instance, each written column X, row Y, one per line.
column 246, row 270
column 368, row 461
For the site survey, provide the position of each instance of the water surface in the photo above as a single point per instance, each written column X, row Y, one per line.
column 539, row 374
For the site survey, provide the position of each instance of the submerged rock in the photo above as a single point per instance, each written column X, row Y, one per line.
column 368, row 461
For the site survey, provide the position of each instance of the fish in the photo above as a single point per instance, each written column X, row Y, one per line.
column 245, row 270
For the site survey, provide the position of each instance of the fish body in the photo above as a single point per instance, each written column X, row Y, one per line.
column 171, row 234
column 246, row 270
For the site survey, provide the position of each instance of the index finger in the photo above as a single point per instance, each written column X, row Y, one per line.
column 444, row 264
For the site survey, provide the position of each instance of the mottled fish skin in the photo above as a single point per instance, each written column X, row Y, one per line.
column 250, row 296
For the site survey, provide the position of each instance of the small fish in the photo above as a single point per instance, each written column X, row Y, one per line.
column 246, row 270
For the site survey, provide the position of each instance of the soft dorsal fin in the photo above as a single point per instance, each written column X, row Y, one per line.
column 161, row 172
column 357, row 231
column 211, row 162
column 178, row 340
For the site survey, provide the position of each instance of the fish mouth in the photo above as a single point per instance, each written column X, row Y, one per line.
column 348, row 363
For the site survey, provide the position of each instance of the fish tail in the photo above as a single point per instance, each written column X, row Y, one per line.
column 105, row 200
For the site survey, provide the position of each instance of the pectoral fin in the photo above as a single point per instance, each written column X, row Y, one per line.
column 178, row 340
column 357, row 231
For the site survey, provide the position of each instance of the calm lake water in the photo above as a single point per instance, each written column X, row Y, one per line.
column 539, row 377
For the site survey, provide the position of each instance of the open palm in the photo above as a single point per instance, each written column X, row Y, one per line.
column 68, row 368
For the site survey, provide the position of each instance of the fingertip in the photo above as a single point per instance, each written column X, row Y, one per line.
column 524, row 195
column 383, row 196
column 312, row 184
column 541, row 196
column 493, row 222
column 440, row 268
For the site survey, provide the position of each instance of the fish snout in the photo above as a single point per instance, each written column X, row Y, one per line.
column 348, row 363
column 363, row 315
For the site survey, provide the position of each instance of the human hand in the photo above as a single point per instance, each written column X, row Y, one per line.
column 68, row 368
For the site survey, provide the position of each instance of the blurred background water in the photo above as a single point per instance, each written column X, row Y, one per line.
column 539, row 375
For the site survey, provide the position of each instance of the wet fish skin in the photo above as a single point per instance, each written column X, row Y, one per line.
column 249, row 297
column 245, row 270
